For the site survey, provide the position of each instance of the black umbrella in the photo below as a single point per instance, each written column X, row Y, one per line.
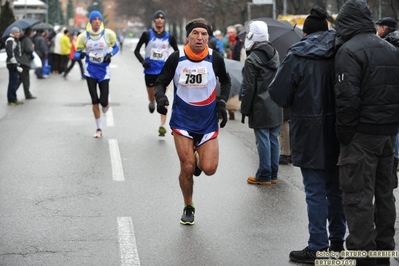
column 234, row 68
column 43, row 26
column 281, row 34
column 21, row 24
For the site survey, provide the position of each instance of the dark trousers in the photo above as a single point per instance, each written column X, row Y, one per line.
column 71, row 66
column 367, row 181
column 56, row 63
column 13, row 83
column 64, row 63
column 24, row 78
column 39, row 70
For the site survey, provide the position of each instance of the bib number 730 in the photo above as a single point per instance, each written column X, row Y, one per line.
column 194, row 77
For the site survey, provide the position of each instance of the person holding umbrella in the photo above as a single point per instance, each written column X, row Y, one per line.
column 13, row 50
column 27, row 48
column 305, row 83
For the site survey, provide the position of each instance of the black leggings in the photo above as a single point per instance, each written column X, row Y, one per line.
column 104, row 91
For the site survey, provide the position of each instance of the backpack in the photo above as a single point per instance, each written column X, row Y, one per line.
column 3, row 42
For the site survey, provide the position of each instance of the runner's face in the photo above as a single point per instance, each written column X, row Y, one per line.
column 198, row 39
column 95, row 24
column 159, row 23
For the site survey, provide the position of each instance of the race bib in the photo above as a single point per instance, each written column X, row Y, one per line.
column 96, row 57
column 197, row 77
column 158, row 54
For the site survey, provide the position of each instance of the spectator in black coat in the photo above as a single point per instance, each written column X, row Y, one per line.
column 41, row 50
column 367, row 108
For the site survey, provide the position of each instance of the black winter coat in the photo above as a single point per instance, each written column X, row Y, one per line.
column 367, row 85
column 259, row 70
column 392, row 37
column 305, row 83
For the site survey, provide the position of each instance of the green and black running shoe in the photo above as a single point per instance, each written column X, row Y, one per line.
column 188, row 215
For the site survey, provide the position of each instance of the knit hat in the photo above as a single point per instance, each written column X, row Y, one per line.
column 257, row 31
column 159, row 14
column 316, row 21
column 15, row 30
column 388, row 21
column 95, row 14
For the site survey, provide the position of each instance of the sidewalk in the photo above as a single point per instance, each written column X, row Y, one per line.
column 3, row 57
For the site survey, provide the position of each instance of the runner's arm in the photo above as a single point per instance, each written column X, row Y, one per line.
column 167, row 73
column 173, row 43
column 143, row 40
column 110, row 36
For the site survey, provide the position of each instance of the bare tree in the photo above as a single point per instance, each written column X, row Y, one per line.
column 221, row 13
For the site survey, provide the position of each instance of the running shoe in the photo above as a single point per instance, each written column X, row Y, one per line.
column 98, row 133
column 162, row 131
column 197, row 170
column 15, row 103
column 151, row 107
column 188, row 215
column 105, row 109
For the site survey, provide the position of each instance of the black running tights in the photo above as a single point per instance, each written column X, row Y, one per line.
column 104, row 91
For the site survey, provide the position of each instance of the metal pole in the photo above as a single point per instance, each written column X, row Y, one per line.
column 274, row 9
column 285, row 7
column 249, row 10
column 47, row 11
column 25, row 10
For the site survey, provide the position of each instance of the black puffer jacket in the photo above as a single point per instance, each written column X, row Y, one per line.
column 259, row 70
column 392, row 38
column 305, row 83
column 367, row 76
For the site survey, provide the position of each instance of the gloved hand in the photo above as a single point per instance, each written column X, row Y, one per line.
column 107, row 58
column 243, row 118
column 146, row 64
column 221, row 111
column 162, row 101
column 78, row 55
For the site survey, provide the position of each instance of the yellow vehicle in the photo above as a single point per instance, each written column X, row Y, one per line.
column 299, row 19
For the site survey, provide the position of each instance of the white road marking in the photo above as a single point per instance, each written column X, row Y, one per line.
column 110, row 117
column 110, row 114
column 116, row 162
column 127, row 242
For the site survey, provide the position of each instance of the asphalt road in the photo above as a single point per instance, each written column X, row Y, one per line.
column 69, row 199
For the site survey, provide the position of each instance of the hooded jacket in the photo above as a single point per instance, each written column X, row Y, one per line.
column 392, row 38
column 305, row 83
column 367, row 76
column 259, row 70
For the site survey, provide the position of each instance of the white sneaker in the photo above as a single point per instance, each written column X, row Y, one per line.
column 98, row 134
column 105, row 109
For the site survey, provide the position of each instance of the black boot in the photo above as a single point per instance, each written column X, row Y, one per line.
column 306, row 255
